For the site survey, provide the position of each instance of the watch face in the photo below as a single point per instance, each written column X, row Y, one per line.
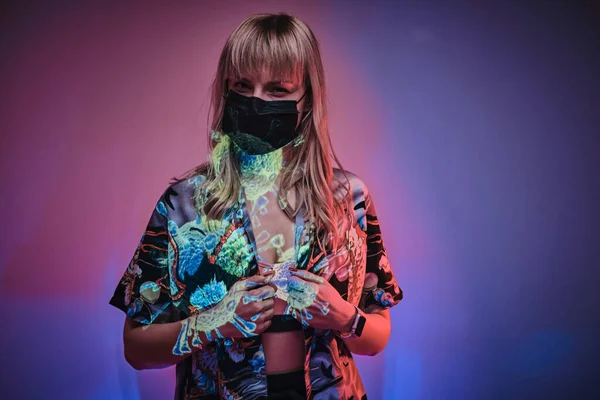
column 361, row 324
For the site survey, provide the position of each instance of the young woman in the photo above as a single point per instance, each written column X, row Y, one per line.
column 261, row 271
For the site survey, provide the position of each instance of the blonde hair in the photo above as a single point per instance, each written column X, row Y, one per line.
column 279, row 43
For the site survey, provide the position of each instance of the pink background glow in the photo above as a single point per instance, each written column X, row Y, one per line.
column 474, row 124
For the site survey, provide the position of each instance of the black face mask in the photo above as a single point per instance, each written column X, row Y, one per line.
column 258, row 126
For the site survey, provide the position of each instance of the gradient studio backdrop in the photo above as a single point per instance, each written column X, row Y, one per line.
column 475, row 125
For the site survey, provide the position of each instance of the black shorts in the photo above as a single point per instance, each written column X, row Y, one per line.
column 288, row 386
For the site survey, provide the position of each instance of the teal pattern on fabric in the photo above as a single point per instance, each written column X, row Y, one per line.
column 182, row 266
column 209, row 294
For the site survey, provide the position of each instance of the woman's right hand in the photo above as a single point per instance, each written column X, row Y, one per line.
column 254, row 307
column 245, row 311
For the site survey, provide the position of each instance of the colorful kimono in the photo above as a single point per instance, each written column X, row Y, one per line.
column 180, row 266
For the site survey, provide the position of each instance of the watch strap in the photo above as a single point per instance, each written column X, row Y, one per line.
column 357, row 326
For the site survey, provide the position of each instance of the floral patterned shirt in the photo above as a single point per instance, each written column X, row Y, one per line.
column 180, row 266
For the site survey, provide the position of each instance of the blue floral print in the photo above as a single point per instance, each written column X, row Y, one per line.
column 183, row 264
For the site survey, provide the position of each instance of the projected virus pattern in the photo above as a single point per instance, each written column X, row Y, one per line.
column 187, row 266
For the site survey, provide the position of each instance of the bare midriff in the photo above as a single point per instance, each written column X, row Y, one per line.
column 284, row 351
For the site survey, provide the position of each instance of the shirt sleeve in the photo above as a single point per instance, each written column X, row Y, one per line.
column 143, row 292
column 380, row 291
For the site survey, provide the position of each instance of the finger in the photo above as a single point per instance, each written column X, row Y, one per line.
column 266, row 305
column 258, row 277
column 244, row 284
column 256, row 281
column 295, row 283
column 260, row 294
column 268, row 315
column 265, row 268
column 266, row 290
column 301, row 299
column 258, row 307
column 266, row 325
column 300, row 285
column 307, row 276
column 255, row 317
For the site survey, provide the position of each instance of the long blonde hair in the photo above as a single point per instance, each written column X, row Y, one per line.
column 279, row 43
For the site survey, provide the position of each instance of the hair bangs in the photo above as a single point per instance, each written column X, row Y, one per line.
column 272, row 48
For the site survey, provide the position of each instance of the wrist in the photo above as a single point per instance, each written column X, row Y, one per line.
column 357, row 326
column 347, row 321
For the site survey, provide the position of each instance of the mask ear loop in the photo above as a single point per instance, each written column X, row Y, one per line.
column 305, row 92
column 306, row 115
column 308, row 89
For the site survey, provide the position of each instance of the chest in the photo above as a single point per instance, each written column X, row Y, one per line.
column 269, row 229
column 204, row 257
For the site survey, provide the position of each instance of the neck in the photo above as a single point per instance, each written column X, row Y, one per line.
column 260, row 169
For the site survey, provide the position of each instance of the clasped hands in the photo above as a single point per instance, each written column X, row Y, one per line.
column 311, row 300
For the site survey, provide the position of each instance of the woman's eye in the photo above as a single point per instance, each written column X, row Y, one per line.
column 241, row 85
column 280, row 90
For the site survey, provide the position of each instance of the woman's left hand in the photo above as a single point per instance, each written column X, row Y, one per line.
column 314, row 302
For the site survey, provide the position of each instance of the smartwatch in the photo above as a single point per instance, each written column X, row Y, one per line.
column 357, row 326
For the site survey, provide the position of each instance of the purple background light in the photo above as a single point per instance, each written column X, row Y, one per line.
column 475, row 125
